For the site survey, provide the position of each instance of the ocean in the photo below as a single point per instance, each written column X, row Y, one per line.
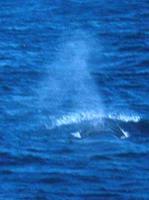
column 74, row 100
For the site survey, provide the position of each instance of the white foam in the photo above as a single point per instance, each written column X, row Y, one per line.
column 79, row 117
column 125, row 118
column 76, row 118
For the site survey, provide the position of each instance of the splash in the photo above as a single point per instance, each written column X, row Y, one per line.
column 125, row 134
column 76, row 135
column 79, row 117
column 71, row 93
column 92, row 116
column 125, row 118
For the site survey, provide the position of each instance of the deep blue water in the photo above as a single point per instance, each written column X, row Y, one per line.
column 74, row 100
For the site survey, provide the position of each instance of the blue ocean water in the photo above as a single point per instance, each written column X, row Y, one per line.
column 74, row 100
